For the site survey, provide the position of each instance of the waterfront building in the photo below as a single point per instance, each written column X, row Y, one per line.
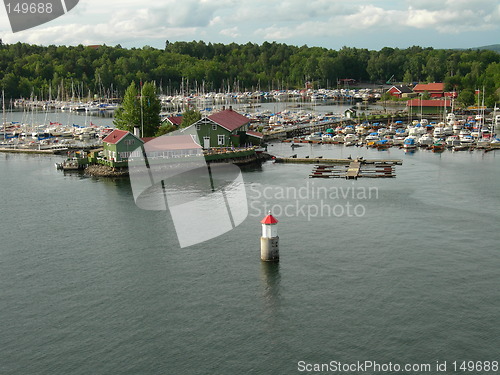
column 118, row 146
column 401, row 91
column 174, row 121
column 172, row 147
column 255, row 138
column 226, row 128
column 435, row 89
column 350, row 113
column 428, row 107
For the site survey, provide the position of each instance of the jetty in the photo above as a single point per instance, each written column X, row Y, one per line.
column 354, row 170
column 350, row 169
column 41, row 151
column 347, row 161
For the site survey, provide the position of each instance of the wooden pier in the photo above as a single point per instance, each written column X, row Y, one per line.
column 321, row 160
column 353, row 170
column 356, row 169
column 347, row 168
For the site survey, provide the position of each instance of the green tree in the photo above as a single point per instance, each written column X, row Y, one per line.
column 150, row 108
column 408, row 78
column 426, row 95
column 139, row 108
column 189, row 117
column 165, row 128
column 129, row 114
column 466, row 97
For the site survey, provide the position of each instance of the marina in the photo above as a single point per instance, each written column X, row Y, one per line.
column 250, row 188
column 81, row 292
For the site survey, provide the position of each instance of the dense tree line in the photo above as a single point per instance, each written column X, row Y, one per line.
column 75, row 71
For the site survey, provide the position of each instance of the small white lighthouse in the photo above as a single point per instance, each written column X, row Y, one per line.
column 269, row 242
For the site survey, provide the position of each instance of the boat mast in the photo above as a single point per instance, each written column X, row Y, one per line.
column 481, row 119
column 494, row 122
column 3, row 113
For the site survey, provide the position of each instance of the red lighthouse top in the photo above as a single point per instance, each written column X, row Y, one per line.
column 269, row 219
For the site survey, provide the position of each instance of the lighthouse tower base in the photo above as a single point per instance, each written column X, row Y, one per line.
column 269, row 249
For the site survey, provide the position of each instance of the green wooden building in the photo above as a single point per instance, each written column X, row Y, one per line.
column 226, row 128
column 118, row 146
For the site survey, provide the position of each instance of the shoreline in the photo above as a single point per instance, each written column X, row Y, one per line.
column 27, row 151
column 100, row 170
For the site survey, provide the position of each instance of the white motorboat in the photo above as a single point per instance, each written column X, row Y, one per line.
column 425, row 140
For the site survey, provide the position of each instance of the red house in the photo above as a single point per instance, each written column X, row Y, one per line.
column 400, row 91
column 435, row 90
column 435, row 106
column 174, row 120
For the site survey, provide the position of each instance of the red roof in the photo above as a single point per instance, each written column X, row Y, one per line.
column 172, row 142
column 255, row 134
column 115, row 136
column 401, row 89
column 175, row 120
column 428, row 103
column 229, row 119
column 430, row 87
column 269, row 219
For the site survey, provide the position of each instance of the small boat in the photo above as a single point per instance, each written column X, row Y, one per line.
column 495, row 143
column 327, row 137
column 314, row 137
column 338, row 138
column 398, row 141
column 400, row 132
column 438, row 147
column 71, row 164
column 452, row 141
column 439, row 132
column 466, row 140
column 372, row 137
column 461, row 148
column 425, row 140
column 382, row 144
column 351, row 138
column 409, row 143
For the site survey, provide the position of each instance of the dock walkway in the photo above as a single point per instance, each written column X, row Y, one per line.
column 320, row 160
column 353, row 170
column 347, row 168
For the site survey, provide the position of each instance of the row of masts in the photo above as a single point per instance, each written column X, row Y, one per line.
column 185, row 87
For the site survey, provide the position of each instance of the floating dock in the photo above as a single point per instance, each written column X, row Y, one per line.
column 350, row 169
column 355, row 169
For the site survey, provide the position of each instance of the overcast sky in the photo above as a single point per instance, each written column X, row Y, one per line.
column 371, row 24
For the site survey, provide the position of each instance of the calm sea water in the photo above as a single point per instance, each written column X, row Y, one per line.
column 91, row 284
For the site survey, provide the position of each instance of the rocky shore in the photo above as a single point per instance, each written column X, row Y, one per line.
column 98, row 170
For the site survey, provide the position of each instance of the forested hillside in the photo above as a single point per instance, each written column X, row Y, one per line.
column 27, row 70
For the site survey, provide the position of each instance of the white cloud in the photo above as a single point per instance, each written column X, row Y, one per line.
column 453, row 17
column 214, row 21
column 231, row 32
column 371, row 16
column 291, row 21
